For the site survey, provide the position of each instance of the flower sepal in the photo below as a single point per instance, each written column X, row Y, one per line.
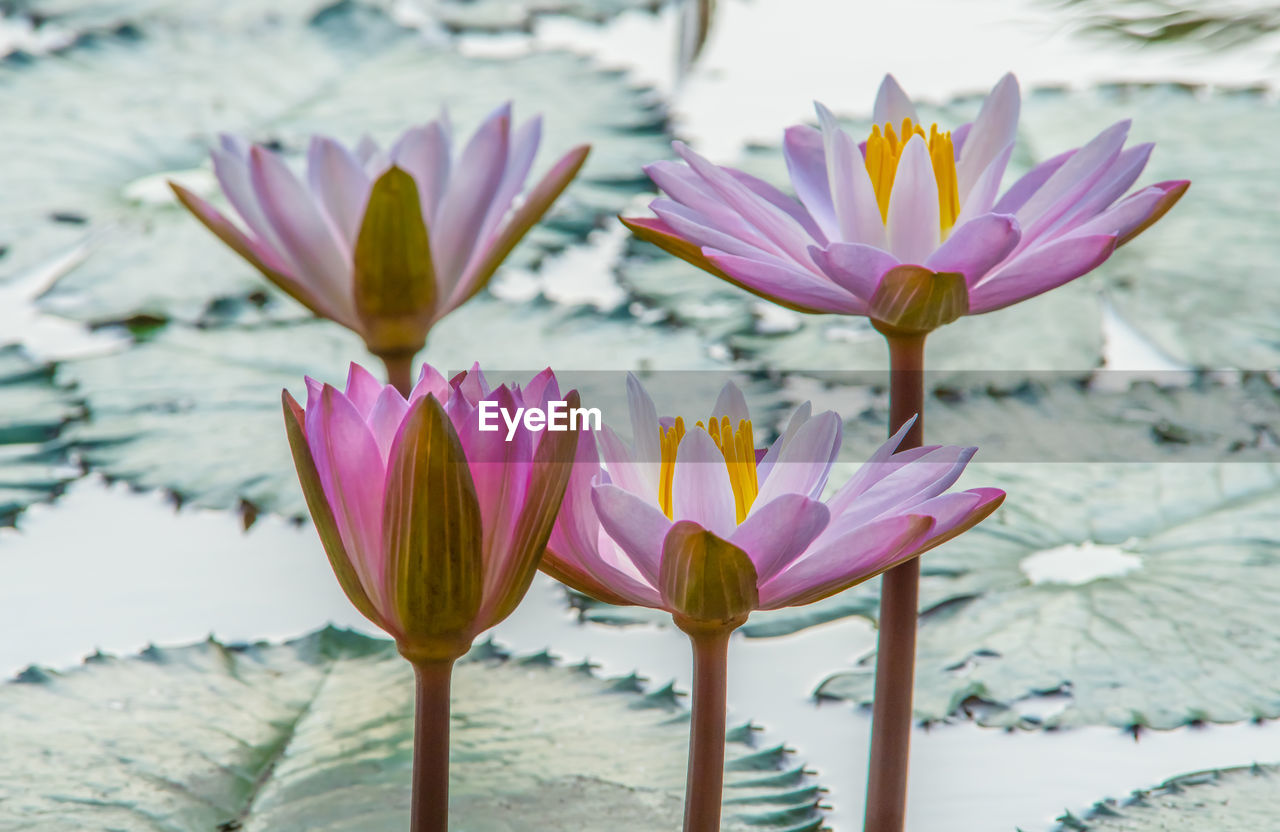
column 395, row 282
column 708, row 582
column 913, row 300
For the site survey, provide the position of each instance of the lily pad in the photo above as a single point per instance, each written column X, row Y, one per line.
column 94, row 166
column 1134, row 595
column 1222, row 26
column 1195, row 418
column 455, row 15
column 316, row 734
column 34, row 463
column 197, row 411
column 1224, row 800
column 1194, row 283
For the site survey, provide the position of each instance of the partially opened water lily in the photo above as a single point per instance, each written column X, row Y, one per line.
column 433, row 527
column 909, row 226
column 386, row 242
column 697, row 521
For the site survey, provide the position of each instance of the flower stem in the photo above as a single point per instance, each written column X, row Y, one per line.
column 399, row 371
column 431, row 747
column 705, row 786
column 899, row 602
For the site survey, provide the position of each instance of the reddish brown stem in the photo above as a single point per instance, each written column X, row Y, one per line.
column 399, row 371
column 705, row 786
column 899, row 602
column 431, row 747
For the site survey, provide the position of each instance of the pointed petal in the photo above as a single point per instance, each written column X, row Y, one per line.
column 976, row 247
column 424, row 152
column 322, row 515
column 576, row 554
column 857, row 212
column 956, row 513
column 1040, row 270
column 855, row 267
column 984, row 191
column 256, row 253
column 779, row 532
column 787, row 285
column 508, row 578
column 1029, row 183
column 804, row 463
column 802, row 148
column 993, row 130
column 845, row 561
column 770, row 223
column 341, row 186
column 536, row 203
column 913, row 226
column 303, row 233
column 638, row 526
column 362, row 388
column 731, row 403
column 893, row 104
column 472, row 185
column 1071, row 181
column 350, row 469
column 1173, row 191
column 784, row 203
column 700, row 489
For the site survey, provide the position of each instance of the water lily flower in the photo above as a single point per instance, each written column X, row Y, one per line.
column 908, row 227
column 433, row 526
column 386, row 242
column 699, row 522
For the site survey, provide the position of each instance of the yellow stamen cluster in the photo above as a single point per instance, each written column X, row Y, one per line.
column 738, row 448
column 884, row 150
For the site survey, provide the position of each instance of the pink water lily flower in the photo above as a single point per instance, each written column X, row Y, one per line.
column 910, row 226
column 433, row 526
column 699, row 522
column 386, row 242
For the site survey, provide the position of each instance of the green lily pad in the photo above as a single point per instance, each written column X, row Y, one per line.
column 1194, row 284
column 94, row 166
column 34, row 463
column 316, row 734
column 197, row 411
column 1204, row 418
column 1134, row 595
column 1224, row 800
column 454, row 15
column 1221, row 26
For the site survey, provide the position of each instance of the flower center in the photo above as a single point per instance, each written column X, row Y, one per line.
column 737, row 447
column 884, row 150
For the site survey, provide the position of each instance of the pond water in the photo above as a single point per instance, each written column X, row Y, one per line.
column 111, row 569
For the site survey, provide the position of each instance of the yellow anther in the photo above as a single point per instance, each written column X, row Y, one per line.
column 737, row 447
column 884, row 151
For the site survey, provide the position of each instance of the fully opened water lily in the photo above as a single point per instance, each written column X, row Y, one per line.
column 909, row 224
column 386, row 242
column 912, row 228
column 433, row 526
column 695, row 520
